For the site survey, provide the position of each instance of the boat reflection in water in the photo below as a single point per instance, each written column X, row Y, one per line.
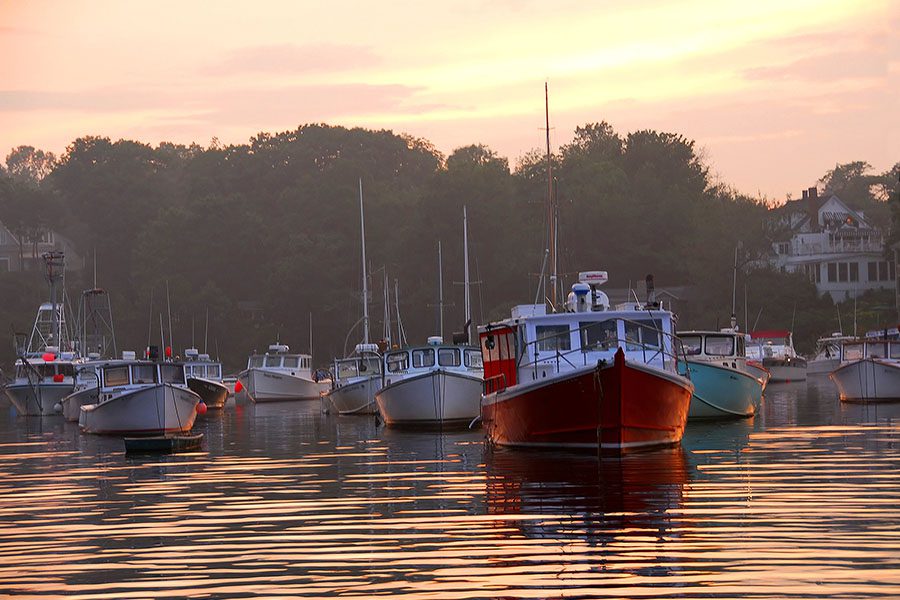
column 584, row 495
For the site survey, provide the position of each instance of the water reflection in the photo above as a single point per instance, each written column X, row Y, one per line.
column 285, row 501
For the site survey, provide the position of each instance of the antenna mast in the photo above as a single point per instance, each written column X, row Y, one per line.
column 551, row 210
column 362, row 229
column 466, row 277
column 440, row 290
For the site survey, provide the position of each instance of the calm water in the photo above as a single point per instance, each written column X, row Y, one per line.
column 802, row 501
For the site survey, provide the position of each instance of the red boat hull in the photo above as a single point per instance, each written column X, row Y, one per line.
column 611, row 407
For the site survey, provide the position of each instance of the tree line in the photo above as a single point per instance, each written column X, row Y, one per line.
column 264, row 234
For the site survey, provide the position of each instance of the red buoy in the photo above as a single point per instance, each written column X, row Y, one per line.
column 168, row 351
column 238, row 388
column 201, row 408
column 48, row 356
column 58, row 378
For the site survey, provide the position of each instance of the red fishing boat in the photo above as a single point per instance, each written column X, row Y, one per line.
column 590, row 377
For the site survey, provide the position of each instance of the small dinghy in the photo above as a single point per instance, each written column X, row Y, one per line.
column 163, row 444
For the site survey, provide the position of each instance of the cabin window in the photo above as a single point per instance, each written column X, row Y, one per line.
column 448, row 357
column 256, row 361
column 895, row 350
column 853, row 351
column 67, row 369
column 693, row 344
column 291, row 362
column 347, row 369
column 143, row 373
column 214, row 371
column 115, row 376
column 642, row 334
column 473, row 359
column 171, row 374
column 875, row 350
column 273, row 361
column 370, row 365
column 553, row 337
column 720, row 345
column 423, row 358
column 398, row 361
column 599, row 336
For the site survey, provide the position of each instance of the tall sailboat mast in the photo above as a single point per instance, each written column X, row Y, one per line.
column 551, row 210
column 466, row 277
column 440, row 290
column 365, row 283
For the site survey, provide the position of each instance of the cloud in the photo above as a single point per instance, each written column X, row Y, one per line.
column 827, row 67
column 293, row 59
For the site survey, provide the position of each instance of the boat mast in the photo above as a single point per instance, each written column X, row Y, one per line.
column 466, row 277
column 387, row 310
column 365, row 284
column 551, row 212
column 440, row 291
column 53, row 260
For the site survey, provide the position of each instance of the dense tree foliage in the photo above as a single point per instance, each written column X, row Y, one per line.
column 273, row 226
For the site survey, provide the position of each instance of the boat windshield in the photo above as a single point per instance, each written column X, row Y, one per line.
column 423, row 358
column 642, row 334
column 143, row 373
column 214, row 371
column 720, row 345
column 397, row 361
column 115, row 376
column 474, row 359
column 599, row 336
column 693, row 344
column 449, row 357
column 273, row 361
column 853, row 351
column 171, row 374
column 256, row 361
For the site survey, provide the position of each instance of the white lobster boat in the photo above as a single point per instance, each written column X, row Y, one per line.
column 436, row 384
column 869, row 371
column 42, row 381
column 279, row 375
column 143, row 398
column 355, row 381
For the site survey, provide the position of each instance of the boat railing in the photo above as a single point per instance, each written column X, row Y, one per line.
column 670, row 353
column 495, row 383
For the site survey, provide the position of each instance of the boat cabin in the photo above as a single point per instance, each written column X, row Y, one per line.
column 533, row 345
column 45, row 370
column 434, row 355
column 870, row 348
column 201, row 366
column 770, row 343
column 117, row 375
column 713, row 345
column 279, row 358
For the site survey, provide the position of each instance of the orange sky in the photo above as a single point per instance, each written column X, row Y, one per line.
column 774, row 92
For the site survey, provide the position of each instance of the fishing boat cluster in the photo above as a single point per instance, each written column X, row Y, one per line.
column 589, row 375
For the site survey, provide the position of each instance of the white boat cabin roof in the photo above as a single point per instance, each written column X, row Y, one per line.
column 279, row 356
column 130, row 373
column 434, row 355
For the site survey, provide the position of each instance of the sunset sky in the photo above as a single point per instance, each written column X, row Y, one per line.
column 774, row 92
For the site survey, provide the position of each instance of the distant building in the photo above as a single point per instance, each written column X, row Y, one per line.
column 834, row 245
column 28, row 257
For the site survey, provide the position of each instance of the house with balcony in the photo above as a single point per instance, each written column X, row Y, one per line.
column 834, row 245
column 27, row 256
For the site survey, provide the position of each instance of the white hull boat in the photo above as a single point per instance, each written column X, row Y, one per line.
column 71, row 404
column 868, row 380
column 148, row 410
column 436, row 397
column 356, row 398
column 38, row 399
column 272, row 386
column 784, row 371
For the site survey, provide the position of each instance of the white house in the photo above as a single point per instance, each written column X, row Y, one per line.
column 32, row 250
column 841, row 253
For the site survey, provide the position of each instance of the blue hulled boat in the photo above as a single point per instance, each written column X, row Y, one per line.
column 724, row 386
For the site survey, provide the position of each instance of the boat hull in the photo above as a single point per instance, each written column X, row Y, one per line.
column 213, row 393
column 868, row 380
column 153, row 410
column 609, row 408
column 759, row 372
column 267, row 386
column 438, row 397
column 71, row 404
column 722, row 392
column 38, row 400
column 784, row 370
column 357, row 398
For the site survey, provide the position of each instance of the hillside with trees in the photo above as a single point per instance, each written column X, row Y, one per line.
column 263, row 234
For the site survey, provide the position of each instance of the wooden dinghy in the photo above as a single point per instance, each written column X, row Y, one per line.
column 163, row 444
